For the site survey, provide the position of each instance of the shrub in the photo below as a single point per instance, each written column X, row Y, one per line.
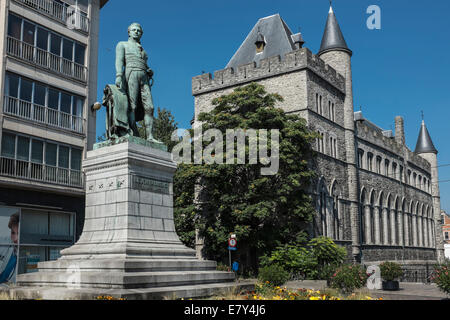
column 390, row 271
column 274, row 274
column 441, row 276
column 347, row 278
column 316, row 261
column 327, row 252
column 295, row 260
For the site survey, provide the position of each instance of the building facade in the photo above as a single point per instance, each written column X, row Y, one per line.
column 374, row 196
column 446, row 233
column 48, row 81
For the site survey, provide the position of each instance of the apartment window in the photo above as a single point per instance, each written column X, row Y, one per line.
column 66, row 56
column 446, row 236
column 15, row 27
column 370, row 161
column 36, row 159
column 29, row 99
column 8, row 145
column 42, row 39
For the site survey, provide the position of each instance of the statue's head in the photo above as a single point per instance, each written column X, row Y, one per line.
column 135, row 31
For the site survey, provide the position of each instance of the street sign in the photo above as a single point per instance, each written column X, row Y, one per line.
column 232, row 243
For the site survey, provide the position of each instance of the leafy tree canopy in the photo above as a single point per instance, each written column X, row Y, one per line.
column 263, row 211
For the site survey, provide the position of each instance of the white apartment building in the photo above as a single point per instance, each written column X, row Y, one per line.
column 48, row 83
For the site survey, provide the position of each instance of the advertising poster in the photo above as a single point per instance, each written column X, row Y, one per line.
column 9, row 240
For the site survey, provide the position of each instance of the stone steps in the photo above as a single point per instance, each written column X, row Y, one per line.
column 122, row 280
column 130, row 265
column 159, row 293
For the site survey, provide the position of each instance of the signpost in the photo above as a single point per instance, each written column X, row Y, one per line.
column 232, row 246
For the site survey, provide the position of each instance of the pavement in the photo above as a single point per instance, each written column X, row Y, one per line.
column 408, row 290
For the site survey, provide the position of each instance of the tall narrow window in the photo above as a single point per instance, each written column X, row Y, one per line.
column 394, row 170
column 360, row 158
column 379, row 165
column 370, row 161
column 37, row 151
column 42, row 39
column 23, row 148
column 79, row 53
column 63, row 157
column 39, row 94
column 12, row 85
column 8, row 145
column 386, row 167
column 28, row 33
column 51, row 151
column 320, row 105
column 26, row 90
column 14, row 27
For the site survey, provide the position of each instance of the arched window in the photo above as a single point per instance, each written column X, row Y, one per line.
column 396, row 235
column 381, row 219
column 404, row 223
column 323, row 208
column 388, row 220
column 360, row 158
column 410, row 224
column 362, row 209
column 336, row 213
column 372, row 217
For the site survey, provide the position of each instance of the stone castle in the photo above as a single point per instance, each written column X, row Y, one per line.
column 374, row 196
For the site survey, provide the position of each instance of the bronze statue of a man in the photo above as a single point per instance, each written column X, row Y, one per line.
column 133, row 76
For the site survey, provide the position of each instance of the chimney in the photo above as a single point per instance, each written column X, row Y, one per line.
column 399, row 130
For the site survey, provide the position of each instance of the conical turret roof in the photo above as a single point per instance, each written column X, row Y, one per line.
column 424, row 143
column 332, row 37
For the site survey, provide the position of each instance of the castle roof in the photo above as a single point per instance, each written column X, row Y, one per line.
column 277, row 37
column 332, row 37
column 424, row 142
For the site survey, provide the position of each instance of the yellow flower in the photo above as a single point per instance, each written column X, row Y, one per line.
column 314, row 298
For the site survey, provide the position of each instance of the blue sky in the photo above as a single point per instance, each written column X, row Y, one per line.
column 401, row 69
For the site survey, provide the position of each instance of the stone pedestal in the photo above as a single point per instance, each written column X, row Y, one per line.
column 128, row 247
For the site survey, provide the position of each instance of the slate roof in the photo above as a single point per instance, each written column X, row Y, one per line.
column 102, row 3
column 277, row 36
column 332, row 36
column 424, row 142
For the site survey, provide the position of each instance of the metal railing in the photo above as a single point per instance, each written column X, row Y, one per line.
column 45, row 59
column 63, row 13
column 31, row 111
column 40, row 172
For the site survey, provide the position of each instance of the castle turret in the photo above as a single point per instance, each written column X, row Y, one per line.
column 426, row 149
column 335, row 52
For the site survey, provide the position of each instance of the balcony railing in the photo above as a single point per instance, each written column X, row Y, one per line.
column 41, row 114
column 45, row 59
column 40, row 172
column 63, row 13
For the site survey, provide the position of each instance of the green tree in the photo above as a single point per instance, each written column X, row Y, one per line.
column 163, row 127
column 263, row 211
